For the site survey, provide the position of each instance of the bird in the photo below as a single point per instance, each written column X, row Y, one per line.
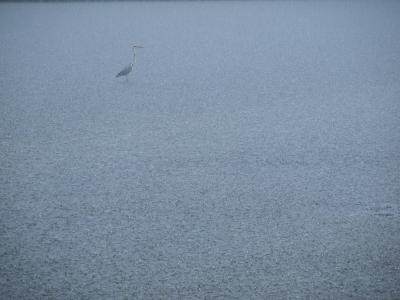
column 125, row 71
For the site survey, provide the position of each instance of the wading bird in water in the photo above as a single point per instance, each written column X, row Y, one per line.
column 125, row 71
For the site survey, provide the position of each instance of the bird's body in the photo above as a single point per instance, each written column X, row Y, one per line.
column 125, row 71
column 128, row 69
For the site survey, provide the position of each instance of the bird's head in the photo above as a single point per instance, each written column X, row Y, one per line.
column 136, row 46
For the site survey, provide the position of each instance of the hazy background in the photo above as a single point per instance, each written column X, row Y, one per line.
column 253, row 152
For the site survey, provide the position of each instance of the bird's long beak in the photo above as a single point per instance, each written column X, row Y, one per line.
column 137, row 46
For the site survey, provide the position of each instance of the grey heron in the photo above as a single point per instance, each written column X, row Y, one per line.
column 125, row 71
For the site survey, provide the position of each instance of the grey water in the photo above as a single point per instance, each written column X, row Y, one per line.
column 252, row 153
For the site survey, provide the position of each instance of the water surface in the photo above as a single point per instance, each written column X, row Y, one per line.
column 253, row 152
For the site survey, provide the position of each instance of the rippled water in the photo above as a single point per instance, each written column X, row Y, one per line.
column 252, row 153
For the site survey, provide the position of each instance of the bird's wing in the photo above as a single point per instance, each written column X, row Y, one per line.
column 125, row 71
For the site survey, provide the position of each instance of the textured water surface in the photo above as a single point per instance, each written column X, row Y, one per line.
column 253, row 153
